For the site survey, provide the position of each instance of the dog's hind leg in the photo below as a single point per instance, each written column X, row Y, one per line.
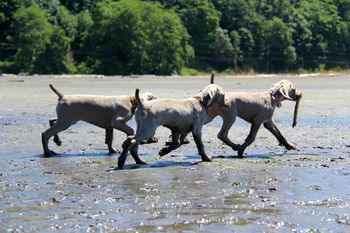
column 56, row 139
column 109, row 141
column 59, row 126
column 228, row 121
column 134, row 151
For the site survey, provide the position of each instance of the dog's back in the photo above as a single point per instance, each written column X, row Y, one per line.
column 94, row 109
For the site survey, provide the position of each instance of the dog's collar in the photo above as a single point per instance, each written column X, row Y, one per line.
column 133, row 103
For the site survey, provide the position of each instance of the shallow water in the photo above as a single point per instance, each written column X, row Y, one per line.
column 270, row 190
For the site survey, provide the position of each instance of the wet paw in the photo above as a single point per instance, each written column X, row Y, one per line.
column 141, row 162
column 49, row 153
column 113, row 150
column 58, row 142
column 290, row 147
column 236, row 147
column 207, row 159
column 164, row 151
column 152, row 140
column 186, row 141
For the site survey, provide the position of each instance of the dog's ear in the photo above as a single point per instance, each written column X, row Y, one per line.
column 281, row 88
column 148, row 96
column 286, row 91
column 207, row 99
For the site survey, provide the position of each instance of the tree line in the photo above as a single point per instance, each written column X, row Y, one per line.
column 165, row 36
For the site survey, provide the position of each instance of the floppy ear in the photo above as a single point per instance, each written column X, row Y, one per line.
column 285, row 92
column 207, row 99
column 279, row 87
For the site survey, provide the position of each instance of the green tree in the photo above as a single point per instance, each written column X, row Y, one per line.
column 84, row 24
column 235, row 13
column 77, row 6
column 222, row 50
column 136, row 37
column 236, row 48
column 51, row 9
column 344, row 9
column 279, row 51
column 167, row 48
column 31, row 33
column 247, row 45
column 325, row 27
column 302, row 38
column 41, row 47
column 7, row 11
column 68, row 22
column 55, row 57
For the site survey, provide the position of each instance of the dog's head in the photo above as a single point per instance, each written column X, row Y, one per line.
column 147, row 96
column 284, row 90
column 213, row 94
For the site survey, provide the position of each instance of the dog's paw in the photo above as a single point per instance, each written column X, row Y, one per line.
column 164, row 151
column 113, row 150
column 186, row 141
column 57, row 141
column 206, row 159
column 236, row 147
column 290, row 146
column 240, row 153
column 141, row 162
column 152, row 140
column 49, row 153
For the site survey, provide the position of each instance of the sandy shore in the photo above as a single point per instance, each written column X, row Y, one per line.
column 270, row 190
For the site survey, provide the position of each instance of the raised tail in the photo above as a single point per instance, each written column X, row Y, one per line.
column 212, row 77
column 59, row 94
column 137, row 97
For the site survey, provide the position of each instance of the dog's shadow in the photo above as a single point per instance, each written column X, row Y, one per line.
column 157, row 164
column 71, row 155
column 249, row 156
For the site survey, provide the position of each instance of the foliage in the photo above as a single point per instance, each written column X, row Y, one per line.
column 137, row 37
column 164, row 36
column 41, row 48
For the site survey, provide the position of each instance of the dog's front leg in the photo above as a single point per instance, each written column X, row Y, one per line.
column 197, row 136
column 135, row 154
column 127, row 144
column 119, row 123
column 270, row 126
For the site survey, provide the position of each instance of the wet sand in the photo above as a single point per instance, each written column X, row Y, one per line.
column 271, row 189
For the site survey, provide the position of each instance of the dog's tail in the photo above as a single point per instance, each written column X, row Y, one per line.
column 212, row 77
column 137, row 97
column 60, row 95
